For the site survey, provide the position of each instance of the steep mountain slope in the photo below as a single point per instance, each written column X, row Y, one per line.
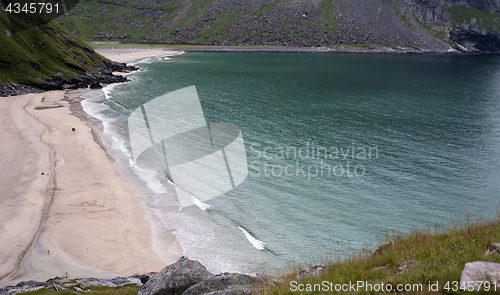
column 429, row 25
column 46, row 57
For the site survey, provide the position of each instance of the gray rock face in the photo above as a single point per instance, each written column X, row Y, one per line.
column 116, row 282
column 494, row 248
column 59, row 284
column 227, row 283
column 176, row 278
column 480, row 271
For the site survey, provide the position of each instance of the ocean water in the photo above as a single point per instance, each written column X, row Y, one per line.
column 341, row 149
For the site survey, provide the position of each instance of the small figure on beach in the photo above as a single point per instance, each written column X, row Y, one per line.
column 43, row 174
column 73, row 129
column 48, row 252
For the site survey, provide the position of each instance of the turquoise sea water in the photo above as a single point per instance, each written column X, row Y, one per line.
column 372, row 144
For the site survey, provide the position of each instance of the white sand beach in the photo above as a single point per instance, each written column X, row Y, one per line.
column 127, row 55
column 79, row 218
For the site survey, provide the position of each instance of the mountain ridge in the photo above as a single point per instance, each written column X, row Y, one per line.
column 427, row 25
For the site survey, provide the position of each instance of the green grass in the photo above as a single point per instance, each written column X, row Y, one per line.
column 328, row 9
column 197, row 8
column 441, row 252
column 266, row 8
column 210, row 32
column 439, row 34
column 488, row 21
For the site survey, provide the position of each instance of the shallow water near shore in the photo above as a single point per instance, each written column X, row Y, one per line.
column 340, row 149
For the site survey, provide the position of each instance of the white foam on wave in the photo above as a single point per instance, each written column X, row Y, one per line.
column 145, row 61
column 95, row 109
column 109, row 88
column 151, row 177
column 258, row 244
column 200, row 204
column 196, row 201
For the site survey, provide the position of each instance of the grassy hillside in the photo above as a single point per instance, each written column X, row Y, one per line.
column 441, row 254
column 43, row 53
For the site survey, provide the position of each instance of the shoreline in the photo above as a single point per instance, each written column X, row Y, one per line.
column 78, row 218
column 129, row 55
column 349, row 49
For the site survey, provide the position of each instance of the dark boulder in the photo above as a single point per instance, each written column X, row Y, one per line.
column 143, row 278
column 54, row 85
column 95, row 85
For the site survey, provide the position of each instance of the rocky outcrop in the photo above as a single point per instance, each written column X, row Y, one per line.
column 493, row 248
column 473, row 25
column 176, row 278
column 189, row 277
column 311, row 271
column 226, row 283
column 476, row 272
column 95, row 81
column 405, row 266
column 59, row 284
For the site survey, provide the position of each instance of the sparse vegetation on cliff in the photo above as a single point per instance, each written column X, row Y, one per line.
column 46, row 56
column 440, row 253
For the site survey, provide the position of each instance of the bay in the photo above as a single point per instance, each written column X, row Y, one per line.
column 371, row 144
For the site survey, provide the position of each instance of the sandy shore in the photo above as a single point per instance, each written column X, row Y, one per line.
column 23, row 191
column 78, row 218
column 64, row 210
column 127, row 55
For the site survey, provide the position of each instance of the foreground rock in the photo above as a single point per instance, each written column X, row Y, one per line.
column 405, row 266
column 311, row 271
column 59, row 284
column 480, row 271
column 227, row 283
column 189, row 277
column 493, row 249
column 176, row 278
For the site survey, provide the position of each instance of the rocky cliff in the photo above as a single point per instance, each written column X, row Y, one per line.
column 426, row 25
column 37, row 54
